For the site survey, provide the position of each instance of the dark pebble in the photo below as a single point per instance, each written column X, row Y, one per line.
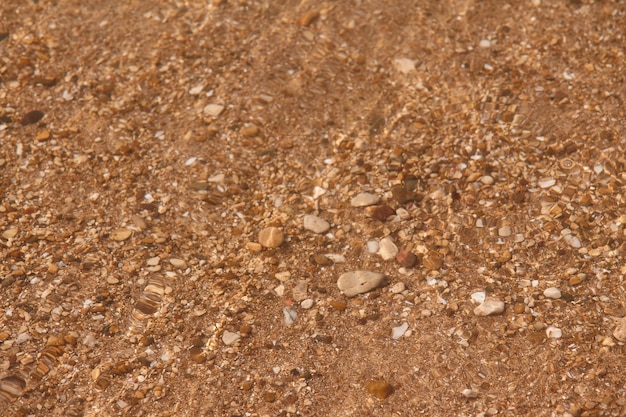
column 32, row 117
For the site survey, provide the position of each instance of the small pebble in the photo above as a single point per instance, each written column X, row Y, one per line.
column 271, row 237
column 307, row 304
column 315, row 224
column 552, row 292
column 620, row 330
column 470, row 393
column 178, row 263
column 230, row 337
column 547, row 182
column 372, row 246
column 250, row 130
column 479, row 297
column 359, row 282
column 387, row 249
column 299, row 291
column 213, row 110
column 398, row 332
column 336, row 258
column 406, row 259
column 398, row 287
column 290, row 315
column 487, row 179
column 379, row 388
column 32, row 117
column 484, row 43
column 380, row 212
column 553, row 332
column 364, row 199
column 489, row 308
column 504, row 231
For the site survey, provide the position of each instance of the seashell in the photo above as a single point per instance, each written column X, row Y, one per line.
column 11, row 387
column 566, row 164
column 148, row 303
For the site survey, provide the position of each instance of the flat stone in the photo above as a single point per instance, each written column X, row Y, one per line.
column 620, row 330
column 489, row 308
column 364, row 200
column 315, row 224
column 552, row 292
column 230, row 337
column 307, row 304
column 213, row 110
column 178, row 263
column 359, row 282
column 387, row 249
column 397, row 288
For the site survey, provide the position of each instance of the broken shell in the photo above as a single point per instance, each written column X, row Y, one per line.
column 566, row 164
column 11, row 387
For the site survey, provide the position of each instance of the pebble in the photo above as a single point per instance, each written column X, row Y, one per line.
column 504, row 231
column 178, row 263
column 484, row 43
column 315, row 224
column 552, row 292
column 307, row 304
column 250, row 130
column 489, row 308
column 290, row 315
column 372, row 246
column 336, row 258
column 487, row 179
column 547, row 182
column 271, row 237
column 479, row 297
column 380, row 212
column 387, row 249
column 554, row 332
column 379, row 388
column 359, row 282
column 620, row 331
column 398, row 332
column 32, row 117
column 469, row 393
column 364, row 200
column 299, row 291
column 213, row 110
column 230, row 337
column 121, row 234
column 406, row 259
column 404, row 65
column 398, row 287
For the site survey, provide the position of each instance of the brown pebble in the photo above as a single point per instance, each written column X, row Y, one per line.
column 379, row 388
column 250, row 130
column 271, row 237
column 43, row 136
column 322, row 260
column 380, row 212
column 519, row 308
column 575, row 280
column 401, row 194
column 32, row 117
column 197, row 354
column 307, row 18
column 246, row 329
column 432, row 261
column 338, row 305
column 406, row 259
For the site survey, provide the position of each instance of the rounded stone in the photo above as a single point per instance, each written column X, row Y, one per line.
column 315, row 224
column 271, row 237
column 387, row 249
column 552, row 292
column 359, row 282
column 364, row 200
column 620, row 330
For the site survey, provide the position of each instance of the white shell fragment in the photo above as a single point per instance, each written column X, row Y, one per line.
column 398, row 332
column 554, row 332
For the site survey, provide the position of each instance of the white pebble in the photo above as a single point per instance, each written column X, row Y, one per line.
column 489, row 307
column 213, row 110
column 552, row 292
column 230, row 337
column 387, row 249
column 372, row 246
column 336, row 258
column 479, row 297
column 290, row 315
column 470, row 393
column 397, row 288
column 307, row 304
column 364, row 199
column 315, row 224
column 398, row 332
column 547, row 182
column 554, row 332
column 484, row 43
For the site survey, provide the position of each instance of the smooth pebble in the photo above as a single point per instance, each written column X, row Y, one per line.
column 290, row 315
column 387, row 249
column 398, row 287
column 307, row 304
column 364, row 200
column 552, row 292
column 553, row 332
column 620, row 330
column 359, row 282
column 230, row 337
column 315, row 224
column 271, row 237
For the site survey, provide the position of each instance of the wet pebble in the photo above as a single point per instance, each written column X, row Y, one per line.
column 359, row 282
column 489, row 308
column 315, row 224
column 364, row 199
